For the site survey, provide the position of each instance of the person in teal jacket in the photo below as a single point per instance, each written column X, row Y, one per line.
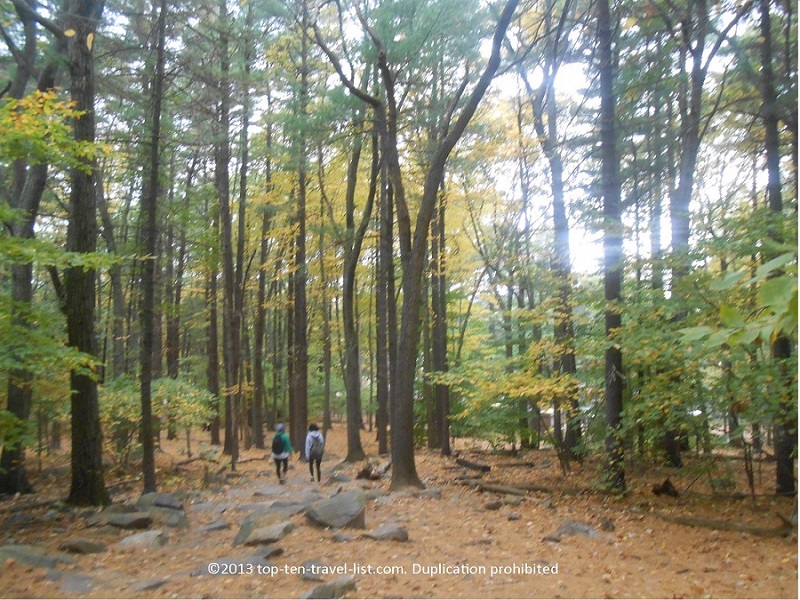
column 281, row 451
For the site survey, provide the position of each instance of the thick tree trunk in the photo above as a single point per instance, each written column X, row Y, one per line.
column 87, row 484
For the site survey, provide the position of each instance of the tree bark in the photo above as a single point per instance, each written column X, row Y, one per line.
column 87, row 483
column 612, row 244
column 785, row 426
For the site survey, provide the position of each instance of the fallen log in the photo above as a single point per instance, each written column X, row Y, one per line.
column 724, row 525
column 473, row 465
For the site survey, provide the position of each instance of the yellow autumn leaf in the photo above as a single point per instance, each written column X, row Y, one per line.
column 89, row 41
column 69, row 33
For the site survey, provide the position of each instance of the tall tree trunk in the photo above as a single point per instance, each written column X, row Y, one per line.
column 352, row 351
column 87, row 484
column 244, row 141
column 260, row 324
column 382, row 298
column 439, row 324
column 149, row 235
column 612, row 244
column 786, row 424
column 230, row 320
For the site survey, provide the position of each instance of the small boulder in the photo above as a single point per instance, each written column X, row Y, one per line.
column 133, row 520
column 347, row 509
column 270, row 534
column 395, row 533
column 493, row 505
column 147, row 539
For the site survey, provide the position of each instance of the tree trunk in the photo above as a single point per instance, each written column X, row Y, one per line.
column 87, row 484
column 149, row 235
column 439, row 325
column 299, row 346
column 612, row 244
column 352, row 251
column 785, row 423
column 230, row 320
column 382, row 297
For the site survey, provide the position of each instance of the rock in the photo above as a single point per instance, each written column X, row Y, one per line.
column 333, row 589
column 606, row 524
column 169, row 517
column 308, row 571
column 576, row 528
column 77, row 585
column 268, row 535
column 338, row 478
column 270, row 490
column 514, row 516
column 552, row 538
column 342, row 537
column 257, row 521
column 347, row 509
column 82, row 546
column 147, row 539
column 148, row 584
column 269, row 551
column 384, row 501
column 147, row 501
column 395, row 533
column 133, row 520
column 35, row 556
column 164, row 509
column 216, row 525
column 493, row 505
column 434, row 493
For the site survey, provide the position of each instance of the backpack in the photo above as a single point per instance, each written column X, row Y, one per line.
column 317, row 448
column 277, row 444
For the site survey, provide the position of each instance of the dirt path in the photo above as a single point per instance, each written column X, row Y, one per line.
column 463, row 543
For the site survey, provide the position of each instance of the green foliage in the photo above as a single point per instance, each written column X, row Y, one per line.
column 12, row 429
column 175, row 402
column 774, row 311
column 37, row 129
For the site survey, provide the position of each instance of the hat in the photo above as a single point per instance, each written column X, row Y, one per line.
column 280, row 427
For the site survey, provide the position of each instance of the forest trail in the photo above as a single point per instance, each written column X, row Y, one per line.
column 462, row 542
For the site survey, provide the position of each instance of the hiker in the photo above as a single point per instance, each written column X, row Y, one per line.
column 315, row 448
column 281, row 450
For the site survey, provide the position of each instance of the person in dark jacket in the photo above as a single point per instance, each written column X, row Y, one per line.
column 281, row 450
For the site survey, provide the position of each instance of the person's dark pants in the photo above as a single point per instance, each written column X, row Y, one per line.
column 311, row 463
column 278, row 463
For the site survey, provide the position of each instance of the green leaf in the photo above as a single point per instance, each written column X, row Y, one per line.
column 730, row 316
column 777, row 293
column 774, row 264
column 692, row 334
column 729, row 281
